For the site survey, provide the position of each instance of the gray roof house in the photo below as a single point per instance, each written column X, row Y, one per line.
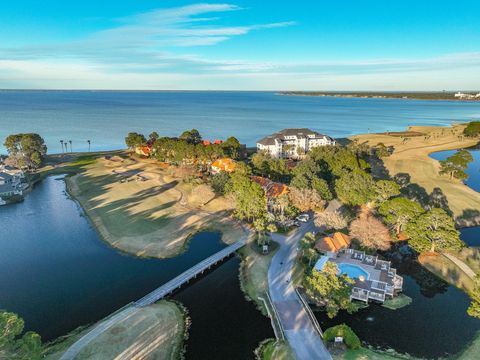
column 375, row 279
column 9, row 185
column 293, row 143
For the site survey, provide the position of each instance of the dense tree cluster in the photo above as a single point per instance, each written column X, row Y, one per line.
column 274, row 169
column 398, row 212
column 474, row 308
column 187, row 148
column 433, row 230
column 25, row 150
column 249, row 197
column 350, row 339
column 332, row 291
column 371, row 233
column 472, row 129
column 454, row 166
column 305, row 199
column 331, row 220
column 134, row 139
column 12, row 345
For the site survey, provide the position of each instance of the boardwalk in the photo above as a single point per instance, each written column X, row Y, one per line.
column 302, row 333
column 152, row 297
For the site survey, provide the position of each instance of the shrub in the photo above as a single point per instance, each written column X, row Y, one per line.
column 349, row 337
column 472, row 129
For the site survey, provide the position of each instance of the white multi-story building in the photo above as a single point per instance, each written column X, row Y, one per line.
column 292, row 143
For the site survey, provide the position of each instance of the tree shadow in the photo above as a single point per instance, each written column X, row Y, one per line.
column 439, row 200
column 378, row 168
column 469, row 217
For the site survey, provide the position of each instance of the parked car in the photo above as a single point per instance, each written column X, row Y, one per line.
column 296, row 223
column 303, row 218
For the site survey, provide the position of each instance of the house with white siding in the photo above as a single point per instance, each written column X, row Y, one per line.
column 293, row 143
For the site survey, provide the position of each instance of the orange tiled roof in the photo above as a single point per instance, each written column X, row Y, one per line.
column 272, row 189
column 325, row 244
column 144, row 150
column 225, row 164
column 333, row 243
column 342, row 239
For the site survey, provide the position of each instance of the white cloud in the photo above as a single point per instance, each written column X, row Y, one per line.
column 147, row 51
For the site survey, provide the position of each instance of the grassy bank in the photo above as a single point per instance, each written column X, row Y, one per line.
column 472, row 352
column 254, row 273
column 448, row 271
column 271, row 349
column 156, row 331
column 412, row 157
column 367, row 354
column 140, row 207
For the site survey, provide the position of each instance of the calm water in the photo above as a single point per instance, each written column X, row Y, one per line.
column 471, row 236
column 473, row 170
column 106, row 117
column 434, row 325
column 224, row 324
column 57, row 274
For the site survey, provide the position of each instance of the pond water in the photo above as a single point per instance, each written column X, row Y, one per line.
column 473, row 170
column 57, row 275
column 471, row 236
column 434, row 325
column 224, row 324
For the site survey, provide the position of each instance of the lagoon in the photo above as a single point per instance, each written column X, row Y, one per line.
column 105, row 117
column 57, row 274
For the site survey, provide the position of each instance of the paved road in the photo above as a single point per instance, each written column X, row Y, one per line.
column 466, row 269
column 299, row 329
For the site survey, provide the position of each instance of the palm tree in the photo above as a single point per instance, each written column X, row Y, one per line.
column 61, row 142
column 88, row 141
column 70, row 141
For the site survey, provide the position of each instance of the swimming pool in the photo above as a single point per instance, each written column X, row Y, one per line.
column 352, row 271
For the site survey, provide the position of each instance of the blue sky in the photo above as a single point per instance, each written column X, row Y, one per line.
column 244, row 45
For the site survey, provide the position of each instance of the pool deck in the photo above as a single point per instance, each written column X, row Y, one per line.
column 382, row 282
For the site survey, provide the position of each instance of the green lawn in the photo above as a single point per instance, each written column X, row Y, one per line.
column 254, row 273
column 275, row 350
column 156, row 331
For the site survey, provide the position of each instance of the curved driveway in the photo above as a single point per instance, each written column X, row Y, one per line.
column 297, row 325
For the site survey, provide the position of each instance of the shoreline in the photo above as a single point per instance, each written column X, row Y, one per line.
column 156, row 232
column 383, row 96
column 413, row 157
column 168, row 317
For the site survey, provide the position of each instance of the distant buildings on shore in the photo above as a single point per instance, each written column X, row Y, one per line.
column 465, row 96
column 293, row 143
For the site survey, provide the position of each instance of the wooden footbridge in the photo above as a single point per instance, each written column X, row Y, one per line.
column 152, row 297
column 188, row 275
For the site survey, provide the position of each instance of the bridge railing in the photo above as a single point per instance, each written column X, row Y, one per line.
column 187, row 275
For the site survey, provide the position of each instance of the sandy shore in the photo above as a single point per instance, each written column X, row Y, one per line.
column 412, row 157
